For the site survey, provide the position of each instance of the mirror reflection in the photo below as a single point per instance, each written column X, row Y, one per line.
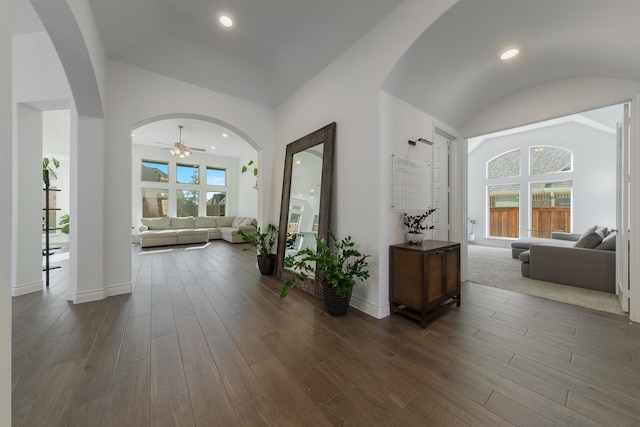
column 304, row 200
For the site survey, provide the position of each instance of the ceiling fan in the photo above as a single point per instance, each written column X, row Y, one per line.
column 180, row 148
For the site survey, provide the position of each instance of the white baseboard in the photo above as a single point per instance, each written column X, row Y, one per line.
column 112, row 291
column 99, row 294
column 370, row 309
column 26, row 288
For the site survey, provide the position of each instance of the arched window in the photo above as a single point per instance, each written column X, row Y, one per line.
column 544, row 159
column 504, row 165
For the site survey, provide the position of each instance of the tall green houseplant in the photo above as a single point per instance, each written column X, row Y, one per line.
column 263, row 241
column 336, row 267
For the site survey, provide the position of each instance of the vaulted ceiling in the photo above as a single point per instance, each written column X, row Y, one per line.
column 452, row 71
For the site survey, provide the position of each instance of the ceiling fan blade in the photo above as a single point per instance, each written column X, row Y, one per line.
column 162, row 143
column 196, row 149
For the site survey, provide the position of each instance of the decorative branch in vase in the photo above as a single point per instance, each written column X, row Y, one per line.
column 416, row 225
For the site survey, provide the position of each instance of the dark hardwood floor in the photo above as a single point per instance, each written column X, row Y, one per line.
column 204, row 340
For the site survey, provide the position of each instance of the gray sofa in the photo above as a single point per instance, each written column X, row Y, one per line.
column 585, row 260
column 185, row 230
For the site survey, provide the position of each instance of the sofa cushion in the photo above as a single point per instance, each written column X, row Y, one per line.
column 237, row 221
column 156, row 223
column 206, row 222
column 608, row 243
column 524, row 256
column 181, row 223
column 590, row 239
column 224, row 221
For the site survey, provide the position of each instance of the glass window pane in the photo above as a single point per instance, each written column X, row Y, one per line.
column 504, row 165
column 504, row 210
column 216, row 203
column 155, row 202
column 187, row 174
column 187, row 202
column 550, row 160
column 216, row 177
column 155, row 171
column 294, row 223
column 550, row 207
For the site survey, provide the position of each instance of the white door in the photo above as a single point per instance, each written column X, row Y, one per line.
column 623, row 211
column 441, row 192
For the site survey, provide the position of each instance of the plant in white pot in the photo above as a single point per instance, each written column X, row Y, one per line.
column 263, row 241
column 336, row 267
column 416, row 225
column 471, row 237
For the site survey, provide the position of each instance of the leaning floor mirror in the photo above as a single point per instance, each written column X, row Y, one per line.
column 306, row 198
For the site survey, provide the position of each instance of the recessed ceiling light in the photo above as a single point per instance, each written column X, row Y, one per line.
column 225, row 135
column 508, row 54
column 225, row 21
column 213, row 148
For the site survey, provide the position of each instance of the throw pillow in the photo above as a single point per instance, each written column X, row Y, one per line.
column 589, row 240
column 161, row 223
column 237, row 221
column 608, row 243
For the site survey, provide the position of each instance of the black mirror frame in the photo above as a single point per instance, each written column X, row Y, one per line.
column 327, row 136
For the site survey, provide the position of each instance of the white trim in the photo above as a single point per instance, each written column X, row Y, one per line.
column 634, row 223
column 97, row 295
column 26, row 288
column 125, row 288
column 370, row 309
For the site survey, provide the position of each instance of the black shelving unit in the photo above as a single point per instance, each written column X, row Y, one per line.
column 48, row 249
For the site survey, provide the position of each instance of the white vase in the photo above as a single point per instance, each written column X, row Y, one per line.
column 471, row 237
column 415, row 238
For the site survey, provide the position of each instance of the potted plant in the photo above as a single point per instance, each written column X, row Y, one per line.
column 254, row 170
column 471, row 237
column 49, row 167
column 64, row 223
column 416, row 225
column 263, row 242
column 336, row 268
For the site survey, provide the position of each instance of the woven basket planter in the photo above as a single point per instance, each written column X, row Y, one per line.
column 266, row 264
column 335, row 304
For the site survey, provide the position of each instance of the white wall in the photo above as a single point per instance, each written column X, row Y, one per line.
column 27, row 267
column 399, row 122
column 6, row 225
column 594, row 187
column 40, row 84
column 134, row 98
column 347, row 92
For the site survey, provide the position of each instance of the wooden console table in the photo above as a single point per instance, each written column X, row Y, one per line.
column 424, row 279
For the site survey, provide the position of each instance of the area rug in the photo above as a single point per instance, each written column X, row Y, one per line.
column 495, row 267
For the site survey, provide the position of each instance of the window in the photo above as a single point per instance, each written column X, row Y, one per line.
column 155, row 171
column 154, row 202
column 550, row 160
column 294, row 223
column 504, row 210
column 187, row 174
column 316, row 222
column 550, row 207
column 187, row 202
column 505, row 165
column 216, row 176
column 216, row 203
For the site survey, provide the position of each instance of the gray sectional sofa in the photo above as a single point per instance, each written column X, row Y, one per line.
column 185, row 230
column 585, row 260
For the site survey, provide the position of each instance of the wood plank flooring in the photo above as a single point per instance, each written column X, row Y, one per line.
column 204, row 340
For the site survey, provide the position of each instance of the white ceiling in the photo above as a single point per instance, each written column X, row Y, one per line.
column 451, row 72
column 195, row 133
